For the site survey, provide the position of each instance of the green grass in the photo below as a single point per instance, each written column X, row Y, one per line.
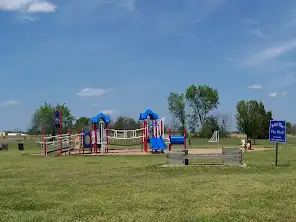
column 80, row 188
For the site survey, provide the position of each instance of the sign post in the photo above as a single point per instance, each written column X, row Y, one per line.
column 277, row 134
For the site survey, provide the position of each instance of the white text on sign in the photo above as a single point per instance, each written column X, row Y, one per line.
column 278, row 131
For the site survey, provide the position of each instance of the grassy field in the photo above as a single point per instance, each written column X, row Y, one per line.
column 80, row 188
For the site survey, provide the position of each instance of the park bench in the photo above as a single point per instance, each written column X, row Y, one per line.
column 229, row 156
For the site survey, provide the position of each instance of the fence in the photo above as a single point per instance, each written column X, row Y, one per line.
column 229, row 156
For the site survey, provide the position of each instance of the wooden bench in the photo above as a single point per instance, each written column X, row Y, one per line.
column 229, row 156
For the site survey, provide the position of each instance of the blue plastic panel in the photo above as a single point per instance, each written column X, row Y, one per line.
column 177, row 139
column 148, row 113
column 157, row 143
column 99, row 117
column 87, row 140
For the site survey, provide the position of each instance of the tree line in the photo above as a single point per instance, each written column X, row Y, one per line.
column 196, row 109
column 43, row 118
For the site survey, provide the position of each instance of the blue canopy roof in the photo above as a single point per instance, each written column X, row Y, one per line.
column 99, row 117
column 148, row 113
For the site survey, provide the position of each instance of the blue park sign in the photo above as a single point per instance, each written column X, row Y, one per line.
column 277, row 131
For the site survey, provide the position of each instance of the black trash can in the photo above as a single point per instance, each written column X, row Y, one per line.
column 3, row 146
column 20, row 146
column 186, row 162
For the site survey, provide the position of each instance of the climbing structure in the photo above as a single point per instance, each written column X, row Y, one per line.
column 153, row 131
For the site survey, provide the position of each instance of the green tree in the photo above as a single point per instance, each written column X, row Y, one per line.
column 262, row 132
column 252, row 119
column 202, row 99
column 210, row 125
column 247, row 117
column 176, row 103
column 82, row 123
column 44, row 118
column 265, row 126
column 289, row 127
column 294, row 129
column 126, row 123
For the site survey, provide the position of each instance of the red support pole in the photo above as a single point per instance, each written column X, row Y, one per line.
column 80, row 140
column 161, row 127
column 44, row 142
column 145, row 136
column 91, row 139
column 170, row 145
column 96, row 138
column 61, row 132
column 185, row 144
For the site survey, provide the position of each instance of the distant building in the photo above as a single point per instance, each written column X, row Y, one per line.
column 17, row 134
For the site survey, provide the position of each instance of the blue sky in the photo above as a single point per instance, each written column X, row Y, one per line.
column 123, row 56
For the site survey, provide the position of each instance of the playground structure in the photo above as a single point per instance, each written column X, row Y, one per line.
column 98, row 139
column 153, row 131
column 61, row 143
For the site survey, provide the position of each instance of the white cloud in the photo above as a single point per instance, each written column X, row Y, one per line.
column 274, row 94
column 107, row 112
column 12, row 5
column 32, row 6
column 10, row 103
column 93, row 92
column 41, row 6
column 255, row 86
column 278, row 94
column 270, row 53
column 258, row 33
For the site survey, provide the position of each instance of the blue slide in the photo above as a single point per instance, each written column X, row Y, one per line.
column 157, row 143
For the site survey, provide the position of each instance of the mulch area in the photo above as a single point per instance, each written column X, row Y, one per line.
column 138, row 152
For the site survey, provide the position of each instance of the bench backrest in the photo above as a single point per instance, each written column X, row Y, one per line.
column 230, row 156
